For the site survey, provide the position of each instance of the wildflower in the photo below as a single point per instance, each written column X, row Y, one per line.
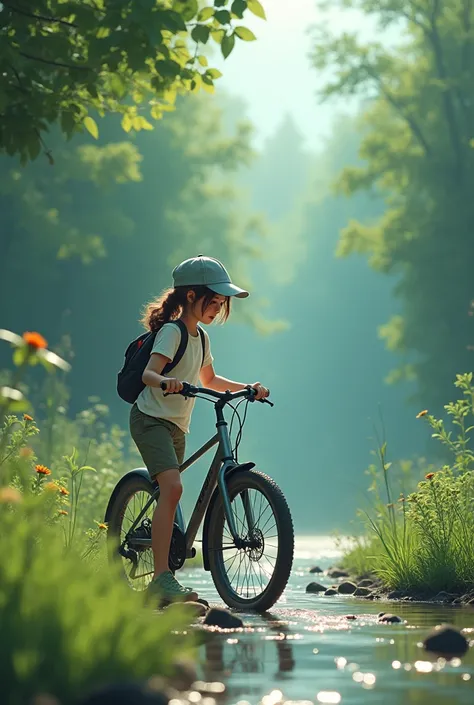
column 42, row 470
column 26, row 452
column 35, row 340
column 101, row 525
column 27, row 417
column 10, row 495
column 429, row 476
column 63, row 512
column 63, row 491
column 422, row 413
column 51, row 487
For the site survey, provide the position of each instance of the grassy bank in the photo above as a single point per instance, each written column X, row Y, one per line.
column 70, row 623
column 419, row 532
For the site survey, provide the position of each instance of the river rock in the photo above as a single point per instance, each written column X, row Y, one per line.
column 446, row 641
column 395, row 595
column 331, row 591
column 193, row 609
column 316, row 569
column 351, row 616
column 315, row 587
column 347, row 588
column 444, row 597
column 337, row 573
column 217, row 617
column 387, row 618
column 365, row 583
column 362, row 592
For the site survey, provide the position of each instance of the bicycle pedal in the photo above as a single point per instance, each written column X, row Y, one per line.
column 191, row 553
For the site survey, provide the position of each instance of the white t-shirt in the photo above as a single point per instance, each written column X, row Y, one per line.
column 175, row 407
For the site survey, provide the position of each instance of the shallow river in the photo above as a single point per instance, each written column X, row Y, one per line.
column 307, row 650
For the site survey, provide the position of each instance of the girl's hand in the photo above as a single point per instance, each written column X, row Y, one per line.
column 173, row 385
column 262, row 392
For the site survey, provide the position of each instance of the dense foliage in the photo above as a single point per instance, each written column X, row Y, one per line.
column 68, row 60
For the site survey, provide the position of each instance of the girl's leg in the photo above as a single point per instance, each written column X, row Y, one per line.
column 171, row 490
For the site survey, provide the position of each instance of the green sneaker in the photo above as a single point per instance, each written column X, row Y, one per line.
column 168, row 589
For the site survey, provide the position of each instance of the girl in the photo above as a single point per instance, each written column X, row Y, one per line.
column 158, row 424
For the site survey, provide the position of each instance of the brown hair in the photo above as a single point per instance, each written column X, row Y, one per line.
column 173, row 302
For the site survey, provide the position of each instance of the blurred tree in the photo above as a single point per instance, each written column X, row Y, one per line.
column 146, row 203
column 418, row 127
column 63, row 59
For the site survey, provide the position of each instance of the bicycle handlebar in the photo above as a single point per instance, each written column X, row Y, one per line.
column 189, row 390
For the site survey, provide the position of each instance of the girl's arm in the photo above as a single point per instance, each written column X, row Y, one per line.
column 210, row 380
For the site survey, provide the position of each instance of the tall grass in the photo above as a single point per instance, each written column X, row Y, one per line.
column 68, row 623
column 423, row 540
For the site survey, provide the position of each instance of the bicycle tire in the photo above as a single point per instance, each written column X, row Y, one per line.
column 115, row 515
column 252, row 480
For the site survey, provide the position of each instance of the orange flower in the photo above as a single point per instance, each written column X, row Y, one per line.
column 52, row 486
column 42, row 470
column 63, row 491
column 101, row 526
column 26, row 452
column 10, row 495
column 35, row 340
column 62, row 512
column 422, row 413
column 429, row 476
column 27, row 417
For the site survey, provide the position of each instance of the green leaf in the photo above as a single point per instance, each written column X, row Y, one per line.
column 220, row 3
column 213, row 73
column 168, row 68
column 91, row 127
column 223, row 16
column 200, row 33
column 257, row 9
column 202, row 60
column 227, row 45
column 238, row 8
column 218, row 35
column 20, row 355
column 245, row 33
column 126, row 123
column 205, row 14
column 186, row 8
column 85, row 468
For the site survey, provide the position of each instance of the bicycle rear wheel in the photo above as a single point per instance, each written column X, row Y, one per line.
column 252, row 577
column 137, row 561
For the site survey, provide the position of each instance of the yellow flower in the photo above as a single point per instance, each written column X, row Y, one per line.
column 422, row 413
column 10, row 495
column 102, row 526
column 35, row 340
column 63, row 491
column 63, row 512
column 27, row 417
column 42, row 470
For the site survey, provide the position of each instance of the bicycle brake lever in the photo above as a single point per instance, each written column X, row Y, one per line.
column 265, row 401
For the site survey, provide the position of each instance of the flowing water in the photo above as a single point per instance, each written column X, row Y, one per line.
column 307, row 649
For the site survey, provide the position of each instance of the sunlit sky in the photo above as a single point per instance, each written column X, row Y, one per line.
column 274, row 74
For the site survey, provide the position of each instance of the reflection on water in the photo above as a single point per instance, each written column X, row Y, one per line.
column 307, row 649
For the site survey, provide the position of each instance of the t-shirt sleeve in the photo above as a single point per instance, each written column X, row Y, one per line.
column 167, row 341
column 208, row 359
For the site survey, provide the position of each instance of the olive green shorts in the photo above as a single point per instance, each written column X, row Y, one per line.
column 161, row 443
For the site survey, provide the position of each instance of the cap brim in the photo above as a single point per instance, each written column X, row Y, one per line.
column 228, row 290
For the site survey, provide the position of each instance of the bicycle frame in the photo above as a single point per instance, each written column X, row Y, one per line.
column 222, row 462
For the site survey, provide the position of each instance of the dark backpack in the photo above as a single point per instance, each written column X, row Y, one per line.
column 129, row 379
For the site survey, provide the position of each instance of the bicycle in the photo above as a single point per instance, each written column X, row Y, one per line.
column 233, row 502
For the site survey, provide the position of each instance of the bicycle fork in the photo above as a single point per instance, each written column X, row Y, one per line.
column 228, row 463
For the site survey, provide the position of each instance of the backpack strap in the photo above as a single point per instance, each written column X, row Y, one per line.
column 183, row 344
column 203, row 343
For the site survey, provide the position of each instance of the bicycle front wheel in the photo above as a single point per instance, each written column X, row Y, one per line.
column 252, row 577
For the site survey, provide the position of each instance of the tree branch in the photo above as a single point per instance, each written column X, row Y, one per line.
column 34, row 16
column 413, row 125
column 54, row 63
